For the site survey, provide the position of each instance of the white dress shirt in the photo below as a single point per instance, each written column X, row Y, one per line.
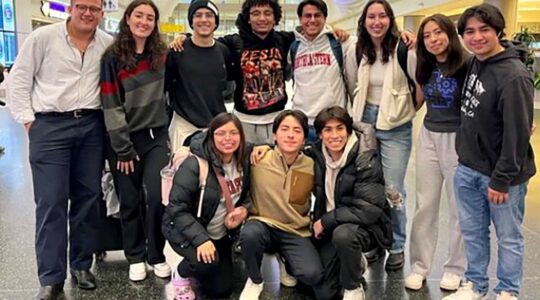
column 51, row 75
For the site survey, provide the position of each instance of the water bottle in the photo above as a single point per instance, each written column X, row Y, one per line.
column 393, row 197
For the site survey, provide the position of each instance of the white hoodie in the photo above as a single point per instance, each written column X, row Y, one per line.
column 318, row 82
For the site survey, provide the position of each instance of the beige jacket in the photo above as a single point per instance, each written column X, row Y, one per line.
column 396, row 107
column 281, row 194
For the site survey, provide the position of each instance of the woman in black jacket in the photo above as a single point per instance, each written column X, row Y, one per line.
column 351, row 214
column 199, row 228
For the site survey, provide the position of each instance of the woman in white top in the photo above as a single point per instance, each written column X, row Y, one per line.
column 382, row 97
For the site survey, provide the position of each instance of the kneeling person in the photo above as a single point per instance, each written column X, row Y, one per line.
column 282, row 182
column 351, row 214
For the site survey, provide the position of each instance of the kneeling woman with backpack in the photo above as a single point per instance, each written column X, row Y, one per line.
column 201, row 217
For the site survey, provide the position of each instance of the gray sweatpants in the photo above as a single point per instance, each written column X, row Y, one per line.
column 436, row 162
column 258, row 133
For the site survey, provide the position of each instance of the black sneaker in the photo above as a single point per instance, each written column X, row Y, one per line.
column 395, row 262
column 375, row 255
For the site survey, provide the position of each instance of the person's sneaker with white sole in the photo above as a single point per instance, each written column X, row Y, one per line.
column 285, row 278
column 414, row 281
column 356, row 294
column 506, row 296
column 137, row 271
column 465, row 292
column 162, row 270
column 450, row 281
column 251, row 290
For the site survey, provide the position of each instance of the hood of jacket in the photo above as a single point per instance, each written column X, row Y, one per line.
column 298, row 33
column 201, row 147
column 512, row 49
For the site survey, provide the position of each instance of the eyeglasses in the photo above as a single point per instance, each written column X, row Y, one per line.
column 222, row 134
column 310, row 16
column 82, row 8
column 200, row 15
column 258, row 13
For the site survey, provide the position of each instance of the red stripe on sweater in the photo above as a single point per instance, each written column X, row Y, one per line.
column 142, row 66
column 108, row 88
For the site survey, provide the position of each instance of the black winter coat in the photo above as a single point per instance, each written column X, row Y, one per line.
column 359, row 194
column 180, row 225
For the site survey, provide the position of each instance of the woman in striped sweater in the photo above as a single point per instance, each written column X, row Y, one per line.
column 132, row 80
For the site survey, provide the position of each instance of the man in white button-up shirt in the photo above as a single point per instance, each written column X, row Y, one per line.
column 53, row 90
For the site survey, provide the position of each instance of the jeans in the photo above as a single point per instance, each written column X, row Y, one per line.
column 312, row 135
column 394, row 152
column 476, row 213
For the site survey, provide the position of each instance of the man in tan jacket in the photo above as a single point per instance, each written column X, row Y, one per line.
column 281, row 186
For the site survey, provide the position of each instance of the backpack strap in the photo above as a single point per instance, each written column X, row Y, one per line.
column 335, row 45
column 203, row 175
column 294, row 49
column 402, row 55
column 224, row 190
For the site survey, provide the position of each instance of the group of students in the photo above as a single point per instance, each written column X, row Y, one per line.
column 354, row 101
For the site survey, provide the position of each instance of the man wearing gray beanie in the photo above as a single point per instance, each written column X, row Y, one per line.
column 197, row 77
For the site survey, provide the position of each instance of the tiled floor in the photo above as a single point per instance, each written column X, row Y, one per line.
column 18, row 268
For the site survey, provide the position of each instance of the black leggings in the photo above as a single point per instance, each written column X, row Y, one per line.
column 215, row 278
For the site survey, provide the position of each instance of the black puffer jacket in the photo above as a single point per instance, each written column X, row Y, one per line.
column 359, row 194
column 181, row 225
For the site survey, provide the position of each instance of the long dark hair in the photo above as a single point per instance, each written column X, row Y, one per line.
column 426, row 62
column 365, row 46
column 220, row 120
column 123, row 47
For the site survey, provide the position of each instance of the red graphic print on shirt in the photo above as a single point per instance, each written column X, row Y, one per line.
column 264, row 84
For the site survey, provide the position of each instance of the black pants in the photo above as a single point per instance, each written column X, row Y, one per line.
column 216, row 277
column 142, row 225
column 301, row 257
column 341, row 255
column 66, row 157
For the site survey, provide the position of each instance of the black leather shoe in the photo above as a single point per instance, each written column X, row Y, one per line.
column 50, row 292
column 395, row 262
column 84, row 278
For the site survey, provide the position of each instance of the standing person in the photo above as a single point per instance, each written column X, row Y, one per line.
column 261, row 56
column 440, row 71
column 383, row 99
column 53, row 89
column 496, row 159
column 351, row 214
column 281, row 184
column 197, row 77
column 198, row 228
column 132, row 83
column 317, row 60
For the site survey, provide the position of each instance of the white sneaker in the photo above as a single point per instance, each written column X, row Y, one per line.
column 285, row 278
column 465, row 292
column 506, row 296
column 450, row 281
column 251, row 290
column 365, row 264
column 356, row 294
column 414, row 281
column 162, row 270
column 137, row 272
